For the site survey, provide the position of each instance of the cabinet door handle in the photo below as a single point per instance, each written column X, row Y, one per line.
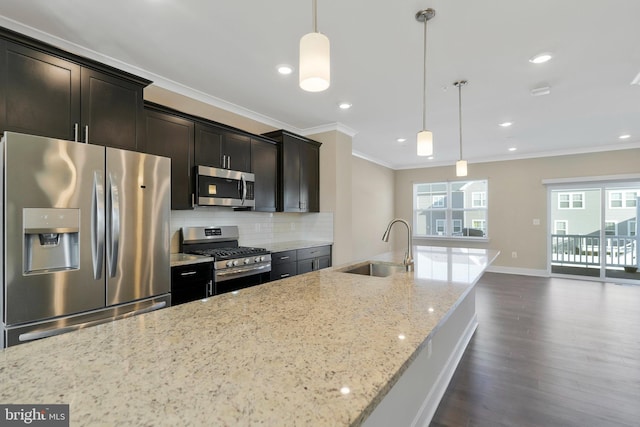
column 188, row 273
column 228, row 162
column 86, row 134
column 75, row 132
column 283, row 275
column 193, row 200
column 284, row 257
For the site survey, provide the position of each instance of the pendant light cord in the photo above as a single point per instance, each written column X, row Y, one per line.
column 315, row 16
column 460, row 114
column 424, row 87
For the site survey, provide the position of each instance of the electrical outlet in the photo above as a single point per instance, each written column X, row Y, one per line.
column 429, row 349
column 514, row 254
column 536, row 221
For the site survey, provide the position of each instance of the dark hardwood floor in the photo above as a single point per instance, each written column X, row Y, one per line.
column 548, row 352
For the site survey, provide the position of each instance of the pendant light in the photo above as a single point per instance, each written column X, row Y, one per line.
column 425, row 137
column 315, row 69
column 461, row 165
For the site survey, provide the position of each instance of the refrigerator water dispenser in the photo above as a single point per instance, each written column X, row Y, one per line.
column 51, row 240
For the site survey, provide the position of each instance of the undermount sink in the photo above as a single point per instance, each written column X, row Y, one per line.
column 377, row 269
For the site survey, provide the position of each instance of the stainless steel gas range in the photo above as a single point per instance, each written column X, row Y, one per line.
column 235, row 267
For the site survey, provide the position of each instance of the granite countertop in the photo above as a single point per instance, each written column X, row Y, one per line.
column 276, row 354
column 187, row 259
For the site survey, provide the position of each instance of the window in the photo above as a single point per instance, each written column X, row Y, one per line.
column 571, row 200
column 622, row 199
column 560, row 227
column 438, row 201
column 615, row 200
column 479, row 199
column 610, row 228
column 457, row 227
column 450, row 209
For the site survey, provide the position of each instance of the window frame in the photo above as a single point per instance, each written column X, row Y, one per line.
column 452, row 221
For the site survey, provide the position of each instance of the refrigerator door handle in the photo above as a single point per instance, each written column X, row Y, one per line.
column 114, row 227
column 97, row 225
column 35, row 335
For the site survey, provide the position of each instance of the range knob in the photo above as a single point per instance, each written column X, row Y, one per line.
column 247, row 260
column 229, row 263
column 257, row 259
column 236, row 262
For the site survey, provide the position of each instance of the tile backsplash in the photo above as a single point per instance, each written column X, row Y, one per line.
column 256, row 228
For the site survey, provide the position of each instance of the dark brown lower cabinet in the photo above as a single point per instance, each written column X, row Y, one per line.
column 312, row 259
column 283, row 264
column 299, row 261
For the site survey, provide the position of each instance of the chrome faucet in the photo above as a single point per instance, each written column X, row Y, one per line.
column 408, row 255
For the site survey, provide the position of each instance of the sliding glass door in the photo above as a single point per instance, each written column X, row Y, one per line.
column 594, row 230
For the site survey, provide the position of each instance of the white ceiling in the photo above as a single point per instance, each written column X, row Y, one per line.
column 226, row 52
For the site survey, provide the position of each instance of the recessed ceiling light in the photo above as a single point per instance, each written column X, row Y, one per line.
column 512, row 148
column 540, row 58
column 285, row 69
column 506, row 124
column 344, row 105
column 540, row 91
column 625, row 136
column 401, row 139
column 430, row 158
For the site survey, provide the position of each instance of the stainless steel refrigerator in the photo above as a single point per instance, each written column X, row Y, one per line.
column 85, row 235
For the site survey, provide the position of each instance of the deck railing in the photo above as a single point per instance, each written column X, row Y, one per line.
column 575, row 249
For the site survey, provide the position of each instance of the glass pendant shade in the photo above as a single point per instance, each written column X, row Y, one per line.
column 425, row 143
column 461, row 168
column 315, row 73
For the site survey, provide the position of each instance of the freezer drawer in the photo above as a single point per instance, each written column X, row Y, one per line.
column 52, row 327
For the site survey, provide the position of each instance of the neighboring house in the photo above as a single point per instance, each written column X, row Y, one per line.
column 451, row 209
column 578, row 212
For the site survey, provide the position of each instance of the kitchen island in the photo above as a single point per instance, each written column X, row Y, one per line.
column 323, row 348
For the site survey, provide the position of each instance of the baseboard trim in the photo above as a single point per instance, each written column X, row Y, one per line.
column 520, row 271
column 431, row 402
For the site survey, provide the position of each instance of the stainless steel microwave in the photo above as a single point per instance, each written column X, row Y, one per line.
column 224, row 187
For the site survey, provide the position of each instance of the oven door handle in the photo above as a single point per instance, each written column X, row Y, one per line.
column 242, row 270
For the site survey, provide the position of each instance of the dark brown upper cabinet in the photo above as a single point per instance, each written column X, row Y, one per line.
column 48, row 92
column 172, row 136
column 219, row 147
column 264, row 164
column 40, row 93
column 299, row 172
column 112, row 111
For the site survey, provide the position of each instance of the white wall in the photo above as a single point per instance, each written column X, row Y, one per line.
column 373, row 207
